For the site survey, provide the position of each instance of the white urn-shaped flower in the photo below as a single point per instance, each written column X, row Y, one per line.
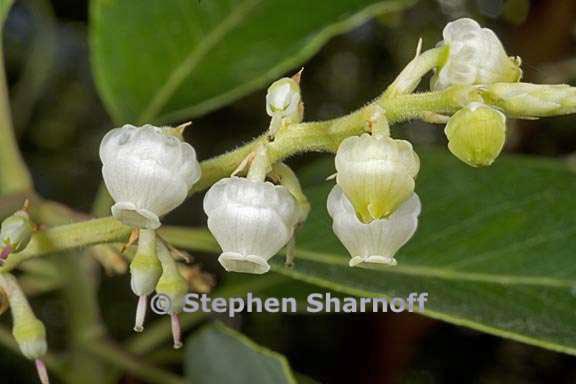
column 148, row 171
column 251, row 220
column 375, row 242
column 376, row 173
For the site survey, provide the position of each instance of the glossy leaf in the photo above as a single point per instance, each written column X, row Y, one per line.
column 217, row 354
column 172, row 59
column 4, row 8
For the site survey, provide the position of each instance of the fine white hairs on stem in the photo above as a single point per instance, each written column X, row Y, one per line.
column 378, row 241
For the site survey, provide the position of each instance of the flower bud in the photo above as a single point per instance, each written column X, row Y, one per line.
column 378, row 241
column 145, row 268
column 145, row 271
column 16, row 231
column 28, row 331
column 475, row 56
column 283, row 99
column 148, row 172
column 30, row 335
column 376, row 173
column 532, row 100
column 174, row 286
column 171, row 282
column 476, row 134
column 251, row 220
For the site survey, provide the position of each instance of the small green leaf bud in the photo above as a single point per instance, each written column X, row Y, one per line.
column 476, row 134
column 16, row 231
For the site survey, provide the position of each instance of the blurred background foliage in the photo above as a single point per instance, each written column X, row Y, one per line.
column 60, row 120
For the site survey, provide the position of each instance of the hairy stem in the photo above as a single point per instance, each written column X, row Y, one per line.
column 325, row 136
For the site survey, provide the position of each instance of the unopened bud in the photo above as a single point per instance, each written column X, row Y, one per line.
column 30, row 335
column 475, row 56
column 283, row 99
column 532, row 100
column 171, row 282
column 476, row 134
column 145, row 268
column 174, row 286
column 16, row 231
column 28, row 331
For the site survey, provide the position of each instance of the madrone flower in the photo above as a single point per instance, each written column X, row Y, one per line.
column 148, row 171
column 376, row 173
column 377, row 241
column 251, row 220
column 475, row 55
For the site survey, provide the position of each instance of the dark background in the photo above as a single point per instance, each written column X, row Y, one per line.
column 60, row 122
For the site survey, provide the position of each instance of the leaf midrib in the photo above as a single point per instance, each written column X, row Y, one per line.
column 446, row 274
column 322, row 282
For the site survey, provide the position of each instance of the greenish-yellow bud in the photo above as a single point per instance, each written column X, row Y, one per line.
column 145, row 268
column 175, row 287
column 376, row 173
column 28, row 331
column 171, row 282
column 532, row 100
column 30, row 334
column 16, row 231
column 476, row 134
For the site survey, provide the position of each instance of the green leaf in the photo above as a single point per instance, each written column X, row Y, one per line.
column 495, row 248
column 4, row 8
column 217, row 354
column 164, row 60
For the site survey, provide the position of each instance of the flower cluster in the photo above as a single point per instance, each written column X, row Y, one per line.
column 256, row 212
